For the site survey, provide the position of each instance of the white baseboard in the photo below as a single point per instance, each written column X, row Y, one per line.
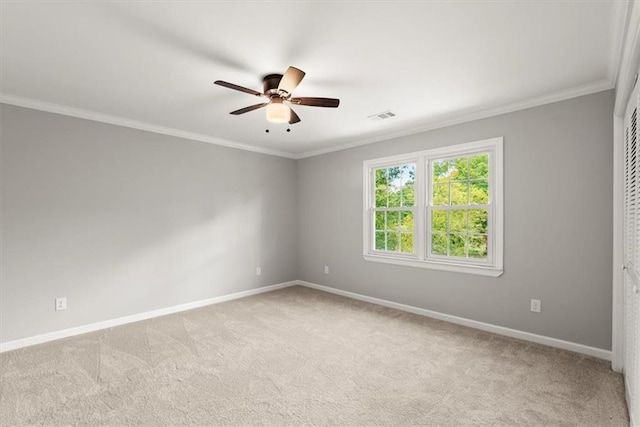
column 500, row 330
column 540, row 339
column 39, row 339
column 630, row 404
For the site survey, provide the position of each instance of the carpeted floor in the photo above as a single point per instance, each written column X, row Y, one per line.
column 302, row 357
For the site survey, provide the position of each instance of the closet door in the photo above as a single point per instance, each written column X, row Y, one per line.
column 631, row 255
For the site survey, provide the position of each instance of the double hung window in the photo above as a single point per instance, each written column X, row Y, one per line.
column 439, row 208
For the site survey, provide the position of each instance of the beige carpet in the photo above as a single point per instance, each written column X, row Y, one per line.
column 303, row 357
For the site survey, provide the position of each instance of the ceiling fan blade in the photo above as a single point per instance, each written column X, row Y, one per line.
column 316, row 102
column 294, row 117
column 247, row 109
column 291, row 79
column 236, row 87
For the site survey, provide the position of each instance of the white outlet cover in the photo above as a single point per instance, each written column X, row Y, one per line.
column 326, row 269
column 258, row 271
column 535, row 305
column 61, row 304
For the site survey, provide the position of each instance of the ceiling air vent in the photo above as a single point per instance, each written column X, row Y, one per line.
column 382, row 116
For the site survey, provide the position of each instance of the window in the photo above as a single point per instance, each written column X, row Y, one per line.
column 394, row 208
column 439, row 208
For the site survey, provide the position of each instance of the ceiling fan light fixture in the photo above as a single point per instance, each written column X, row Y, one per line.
column 277, row 112
column 278, row 88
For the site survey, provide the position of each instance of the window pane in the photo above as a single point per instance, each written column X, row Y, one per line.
column 408, row 195
column 406, row 243
column 381, row 178
column 380, row 241
column 478, row 246
column 479, row 166
column 381, row 197
column 394, row 194
column 393, row 175
column 458, row 221
column 441, row 171
column 406, row 221
column 439, row 244
column 393, row 242
column 440, row 194
column 408, row 173
column 439, row 220
column 479, row 192
column 393, row 221
column 395, row 186
column 459, row 169
column 380, row 221
column 459, row 193
column 457, row 245
column 408, row 179
column 478, row 220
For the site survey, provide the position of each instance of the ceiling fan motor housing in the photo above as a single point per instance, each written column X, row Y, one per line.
column 270, row 83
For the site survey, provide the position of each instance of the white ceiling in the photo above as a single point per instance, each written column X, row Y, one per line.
column 151, row 65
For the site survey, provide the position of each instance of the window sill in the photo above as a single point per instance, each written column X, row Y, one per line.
column 434, row 265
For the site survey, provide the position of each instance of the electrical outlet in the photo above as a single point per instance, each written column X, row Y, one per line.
column 61, row 303
column 536, row 305
column 326, row 269
column 258, row 271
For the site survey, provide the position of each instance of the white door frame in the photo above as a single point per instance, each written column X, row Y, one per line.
column 624, row 78
column 617, row 333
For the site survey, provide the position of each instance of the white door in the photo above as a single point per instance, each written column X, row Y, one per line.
column 631, row 254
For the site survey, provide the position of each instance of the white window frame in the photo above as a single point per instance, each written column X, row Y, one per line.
column 493, row 265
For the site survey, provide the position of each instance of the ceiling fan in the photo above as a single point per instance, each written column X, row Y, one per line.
column 278, row 89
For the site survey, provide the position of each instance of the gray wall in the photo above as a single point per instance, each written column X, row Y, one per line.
column 122, row 221
column 558, row 224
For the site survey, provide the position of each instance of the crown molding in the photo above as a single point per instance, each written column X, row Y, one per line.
column 133, row 124
column 449, row 120
column 464, row 117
